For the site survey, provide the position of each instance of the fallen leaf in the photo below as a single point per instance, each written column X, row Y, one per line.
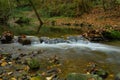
column 26, row 68
column 35, row 78
column 1, row 79
column 13, row 78
column 4, row 63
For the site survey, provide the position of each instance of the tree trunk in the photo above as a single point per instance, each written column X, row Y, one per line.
column 40, row 21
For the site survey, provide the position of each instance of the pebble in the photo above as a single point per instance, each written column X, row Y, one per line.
column 10, row 63
column 9, row 73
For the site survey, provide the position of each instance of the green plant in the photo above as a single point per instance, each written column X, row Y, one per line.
column 33, row 64
column 66, row 8
column 111, row 35
column 5, row 11
column 23, row 20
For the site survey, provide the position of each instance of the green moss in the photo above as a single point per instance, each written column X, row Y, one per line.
column 112, row 35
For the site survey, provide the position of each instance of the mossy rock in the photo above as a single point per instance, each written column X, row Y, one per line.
column 111, row 35
column 102, row 73
column 78, row 76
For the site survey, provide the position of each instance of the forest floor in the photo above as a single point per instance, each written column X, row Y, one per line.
column 96, row 17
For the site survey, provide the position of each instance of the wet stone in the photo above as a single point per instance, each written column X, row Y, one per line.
column 22, row 55
column 25, row 77
column 44, row 39
column 102, row 73
column 53, row 71
column 24, row 40
column 77, row 39
column 5, row 78
column 6, row 37
column 15, row 56
column 117, row 76
column 55, row 77
column 1, row 70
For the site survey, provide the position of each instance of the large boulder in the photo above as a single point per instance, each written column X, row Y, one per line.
column 23, row 40
column 6, row 37
column 94, row 35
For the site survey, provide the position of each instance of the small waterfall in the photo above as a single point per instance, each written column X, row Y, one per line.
column 71, row 42
column 74, row 48
column 77, row 43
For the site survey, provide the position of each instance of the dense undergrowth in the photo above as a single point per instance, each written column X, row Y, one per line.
column 48, row 8
column 112, row 35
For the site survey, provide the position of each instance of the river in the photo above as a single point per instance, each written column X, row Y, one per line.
column 75, row 56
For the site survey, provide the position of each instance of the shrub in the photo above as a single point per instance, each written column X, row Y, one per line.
column 65, row 8
column 23, row 20
column 111, row 35
column 5, row 11
column 33, row 64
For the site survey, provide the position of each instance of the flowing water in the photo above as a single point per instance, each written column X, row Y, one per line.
column 76, row 55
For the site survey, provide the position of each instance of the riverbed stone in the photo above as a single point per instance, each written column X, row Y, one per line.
column 79, row 39
column 6, row 37
column 78, row 76
column 72, row 38
column 117, row 76
column 24, row 40
column 15, row 56
column 96, row 39
column 44, row 39
column 1, row 70
column 102, row 73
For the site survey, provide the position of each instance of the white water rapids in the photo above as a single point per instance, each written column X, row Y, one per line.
column 89, row 45
column 77, row 52
column 81, row 48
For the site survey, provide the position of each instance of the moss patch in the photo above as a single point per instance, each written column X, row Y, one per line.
column 112, row 35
